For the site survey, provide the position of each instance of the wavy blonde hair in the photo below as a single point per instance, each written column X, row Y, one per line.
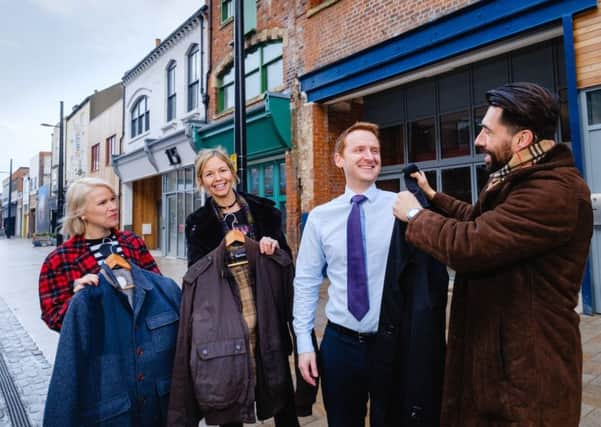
column 77, row 198
column 207, row 154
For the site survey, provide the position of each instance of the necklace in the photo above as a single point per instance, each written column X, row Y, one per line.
column 223, row 208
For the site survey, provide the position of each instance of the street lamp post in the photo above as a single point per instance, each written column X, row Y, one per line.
column 60, row 197
column 240, row 97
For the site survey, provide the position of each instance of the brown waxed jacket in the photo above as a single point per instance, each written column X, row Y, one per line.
column 212, row 373
column 514, row 354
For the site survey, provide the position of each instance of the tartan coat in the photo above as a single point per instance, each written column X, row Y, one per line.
column 514, row 354
column 72, row 260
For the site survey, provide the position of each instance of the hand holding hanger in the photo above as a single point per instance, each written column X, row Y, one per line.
column 267, row 245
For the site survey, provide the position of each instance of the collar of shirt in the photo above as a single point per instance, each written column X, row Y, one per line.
column 371, row 193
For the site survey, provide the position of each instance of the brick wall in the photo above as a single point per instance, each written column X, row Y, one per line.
column 348, row 26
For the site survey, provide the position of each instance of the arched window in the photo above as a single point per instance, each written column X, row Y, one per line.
column 140, row 117
column 264, row 71
column 193, row 77
column 171, row 97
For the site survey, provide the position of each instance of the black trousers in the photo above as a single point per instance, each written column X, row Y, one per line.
column 345, row 376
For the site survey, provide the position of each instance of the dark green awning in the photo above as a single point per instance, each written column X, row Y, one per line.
column 267, row 129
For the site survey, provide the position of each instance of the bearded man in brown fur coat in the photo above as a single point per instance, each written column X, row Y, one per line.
column 514, row 353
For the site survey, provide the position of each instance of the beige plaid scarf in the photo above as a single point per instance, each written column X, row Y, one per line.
column 528, row 156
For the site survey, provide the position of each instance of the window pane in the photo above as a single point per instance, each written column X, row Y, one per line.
column 134, row 127
column 193, row 96
column 275, row 74
column 384, row 108
column 253, row 85
column 481, row 177
column 457, row 183
column 268, row 180
column 193, row 71
column 228, row 97
column 488, row 75
column 455, row 135
column 171, row 80
column 189, row 178
column 171, row 181
column 534, row 65
column 453, row 91
column 393, row 185
column 282, row 179
column 593, row 106
column 228, row 77
column 421, row 101
column 391, row 145
column 171, row 108
column 253, row 185
column 251, row 62
column 147, row 117
column 271, row 51
column 422, row 141
column 227, row 9
column 180, row 180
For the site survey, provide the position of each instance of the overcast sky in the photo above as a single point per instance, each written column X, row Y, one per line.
column 53, row 50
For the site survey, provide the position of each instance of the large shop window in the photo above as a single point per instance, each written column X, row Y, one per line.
column 140, row 117
column 180, row 199
column 268, row 179
column 433, row 122
column 264, row 71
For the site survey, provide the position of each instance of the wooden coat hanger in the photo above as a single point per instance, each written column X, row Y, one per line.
column 234, row 236
column 116, row 260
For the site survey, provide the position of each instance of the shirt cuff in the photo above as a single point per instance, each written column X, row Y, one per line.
column 304, row 344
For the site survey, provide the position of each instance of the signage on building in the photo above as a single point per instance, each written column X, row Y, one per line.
column 173, row 156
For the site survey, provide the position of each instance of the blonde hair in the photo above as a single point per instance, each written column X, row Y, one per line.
column 207, row 154
column 77, row 196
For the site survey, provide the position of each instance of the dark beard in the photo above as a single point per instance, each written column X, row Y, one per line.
column 495, row 162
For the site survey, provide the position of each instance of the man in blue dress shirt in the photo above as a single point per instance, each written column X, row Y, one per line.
column 355, row 226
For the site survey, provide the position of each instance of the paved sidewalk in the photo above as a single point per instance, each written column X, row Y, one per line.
column 27, row 366
column 590, row 327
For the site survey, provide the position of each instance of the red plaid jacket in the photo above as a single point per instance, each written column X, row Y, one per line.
column 72, row 260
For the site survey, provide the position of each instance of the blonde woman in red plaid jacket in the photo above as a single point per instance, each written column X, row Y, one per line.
column 91, row 219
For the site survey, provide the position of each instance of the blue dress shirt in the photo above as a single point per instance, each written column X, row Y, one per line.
column 323, row 244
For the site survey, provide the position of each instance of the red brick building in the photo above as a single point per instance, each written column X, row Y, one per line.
column 419, row 69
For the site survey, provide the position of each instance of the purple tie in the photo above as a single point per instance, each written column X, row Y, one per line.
column 358, row 301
